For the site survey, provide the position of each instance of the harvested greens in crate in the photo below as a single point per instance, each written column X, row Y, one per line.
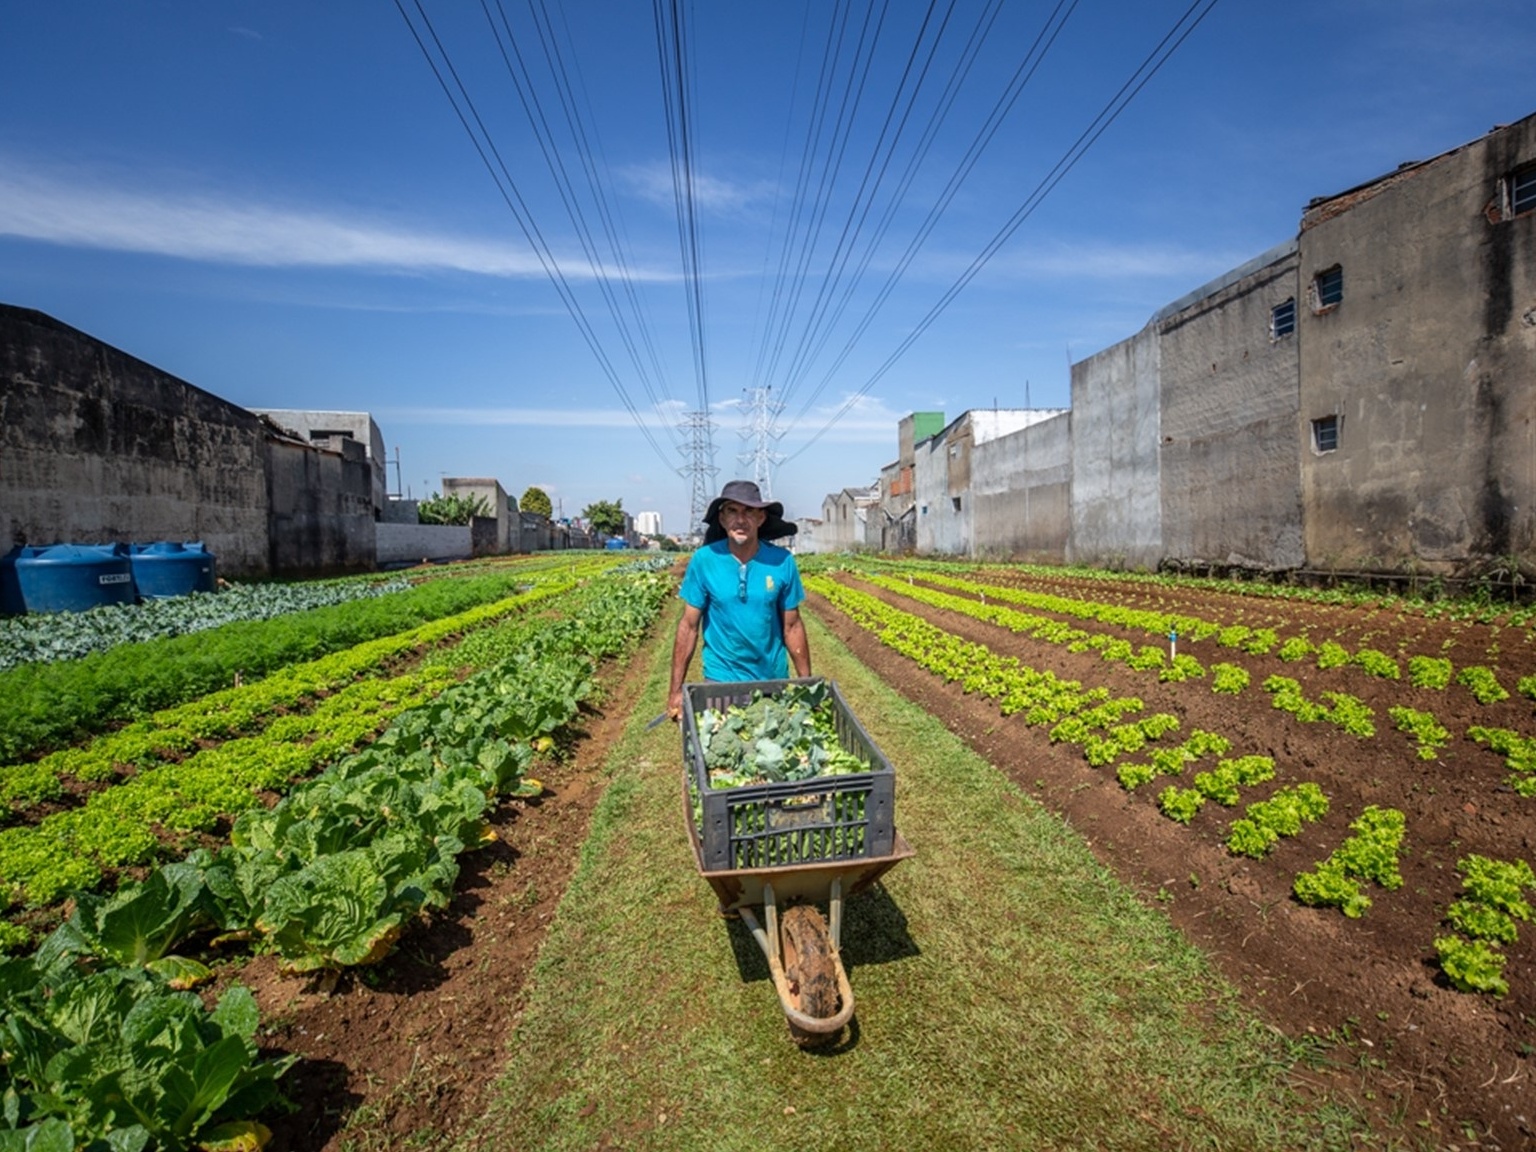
column 781, row 773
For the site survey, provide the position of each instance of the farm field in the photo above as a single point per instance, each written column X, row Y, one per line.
column 1077, row 957
column 1452, row 1061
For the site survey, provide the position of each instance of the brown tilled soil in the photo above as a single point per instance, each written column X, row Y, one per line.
column 1438, row 1066
column 397, row 1056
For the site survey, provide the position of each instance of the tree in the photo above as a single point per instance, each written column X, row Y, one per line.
column 606, row 517
column 536, row 500
column 452, row 509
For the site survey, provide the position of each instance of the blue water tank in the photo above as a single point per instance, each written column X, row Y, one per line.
column 65, row 577
column 167, row 568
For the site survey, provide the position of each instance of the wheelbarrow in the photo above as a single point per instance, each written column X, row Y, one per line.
column 777, row 854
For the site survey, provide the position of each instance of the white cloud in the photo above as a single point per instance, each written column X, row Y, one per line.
column 95, row 211
column 653, row 182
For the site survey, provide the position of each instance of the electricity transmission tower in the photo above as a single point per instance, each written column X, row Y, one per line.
column 761, row 434
column 700, row 469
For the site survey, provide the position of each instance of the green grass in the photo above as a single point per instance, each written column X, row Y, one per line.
column 1010, row 993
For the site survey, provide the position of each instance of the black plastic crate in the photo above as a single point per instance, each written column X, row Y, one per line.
column 794, row 822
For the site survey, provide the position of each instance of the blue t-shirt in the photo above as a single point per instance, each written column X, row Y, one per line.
column 743, row 608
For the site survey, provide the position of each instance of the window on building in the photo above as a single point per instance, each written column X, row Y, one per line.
column 1325, row 434
column 1282, row 319
column 1328, row 288
column 1522, row 191
column 955, row 500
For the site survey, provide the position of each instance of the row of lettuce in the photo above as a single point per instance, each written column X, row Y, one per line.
column 1341, row 709
column 1428, row 597
column 1110, row 731
column 107, row 1046
column 44, row 638
column 46, row 705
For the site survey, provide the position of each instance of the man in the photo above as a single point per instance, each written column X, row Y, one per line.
column 743, row 594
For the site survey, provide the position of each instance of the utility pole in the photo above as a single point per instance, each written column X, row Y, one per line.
column 761, row 433
column 700, row 468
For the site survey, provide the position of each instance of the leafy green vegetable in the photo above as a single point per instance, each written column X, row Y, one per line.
column 789, row 735
column 1483, row 683
column 1472, row 965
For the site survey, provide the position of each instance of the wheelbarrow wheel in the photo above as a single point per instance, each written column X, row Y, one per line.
column 809, row 969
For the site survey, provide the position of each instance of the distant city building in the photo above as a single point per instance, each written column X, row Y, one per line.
column 648, row 523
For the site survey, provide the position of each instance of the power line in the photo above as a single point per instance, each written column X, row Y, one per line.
column 1096, row 128
column 491, row 158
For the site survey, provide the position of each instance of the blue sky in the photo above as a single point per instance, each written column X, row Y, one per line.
column 277, row 202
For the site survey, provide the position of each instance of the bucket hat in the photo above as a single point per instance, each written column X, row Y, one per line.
column 745, row 492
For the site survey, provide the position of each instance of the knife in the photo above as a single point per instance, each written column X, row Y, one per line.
column 656, row 721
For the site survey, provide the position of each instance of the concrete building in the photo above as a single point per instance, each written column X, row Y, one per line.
column 1416, row 321
column 327, row 429
column 507, row 536
column 845, row 519
column 808, row 537
column 896, row 519
column 1021, row 492
column 942, row 476
column 1229, row 395
column 321, row 515
column 1116, row 475
column 97, row 446
column 648, row 523
column 1360, row 399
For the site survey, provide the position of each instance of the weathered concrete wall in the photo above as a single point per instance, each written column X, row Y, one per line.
column 1116, row 482
column 1231, row 481
column 503, row 509
column 320, row 427
column 1021, row 486
column 1428, row 363
column 412, row 543
column 401, row 512
column 940, row 527
column 97, row 446
column 844, row 525
column 485, row 537
column 321, row 508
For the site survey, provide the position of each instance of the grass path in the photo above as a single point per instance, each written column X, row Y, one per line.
column 1010, row 993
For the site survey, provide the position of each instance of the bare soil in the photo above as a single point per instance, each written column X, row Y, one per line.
column 398, row 1055
column 1440, row 1068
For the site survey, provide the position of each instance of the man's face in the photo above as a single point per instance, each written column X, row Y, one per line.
column 740, row 522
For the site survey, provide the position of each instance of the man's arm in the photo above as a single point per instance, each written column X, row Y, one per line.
column 682, row 654
column 796, row 641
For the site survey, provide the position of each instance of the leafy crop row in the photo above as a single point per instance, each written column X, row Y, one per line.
column 103, row 1049
column 45, row 637
column 115, row 828
column 43, row 704
column 1368, row 855
column 174, row 732
column 1424, row 671
column 1519, row 754
column 1348, row 713
column 1483, row 917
